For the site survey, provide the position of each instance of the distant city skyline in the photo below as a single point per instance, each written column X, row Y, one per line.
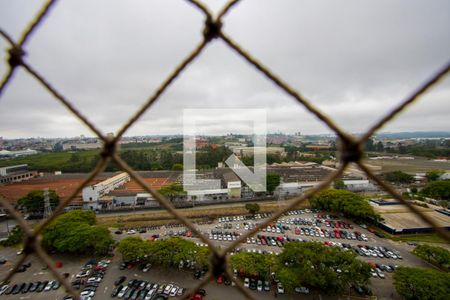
column 408, row 134
column 355, row 62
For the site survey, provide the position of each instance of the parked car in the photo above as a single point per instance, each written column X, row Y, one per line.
column 246, row 282
column 302, row 290
column 280, row 288
column 120, row 280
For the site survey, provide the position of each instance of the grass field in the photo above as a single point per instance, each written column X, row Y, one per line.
column 419, row 164
column 422, row 237
column 47, row 161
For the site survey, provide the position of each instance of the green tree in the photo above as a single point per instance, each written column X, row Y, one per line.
column 398, row 177
column 177, row 167
column 379, row 147
column 339, row 184
column 350, row 204
column 15, row 237
column 443, row 203
column 438, row 189
column 427, row 284
column 435, row 255
column 133, row 248
column 33, row 202
column 253, row 263
column 369, row 145
column 272, row 181
column 167, row 252
column 172, row 191
column 75, row 232
column 252, row 208
column 434, row 175
column 326, row 268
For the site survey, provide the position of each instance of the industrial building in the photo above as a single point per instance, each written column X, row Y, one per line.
column 92, row 194
column 16, row 173
column 398, row 218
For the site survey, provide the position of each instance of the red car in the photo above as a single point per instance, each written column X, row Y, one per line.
column 220, row 279
column 297, row 231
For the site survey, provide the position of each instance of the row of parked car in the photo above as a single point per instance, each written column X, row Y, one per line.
column 244, row 217
column 144, row 290
column 30, row 287
column 334, row 234
column 89, row 278
column 377, row 251
column 223, row 235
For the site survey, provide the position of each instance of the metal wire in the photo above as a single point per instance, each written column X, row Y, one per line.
column 349, row 152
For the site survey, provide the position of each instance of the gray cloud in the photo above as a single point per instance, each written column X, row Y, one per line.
column 354, row 60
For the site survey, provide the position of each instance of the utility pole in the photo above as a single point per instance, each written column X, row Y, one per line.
column 47, row 207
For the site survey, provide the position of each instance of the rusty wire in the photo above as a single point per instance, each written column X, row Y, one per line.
column 350, row 150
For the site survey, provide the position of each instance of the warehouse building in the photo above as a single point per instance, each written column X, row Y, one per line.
column 92, row 194
column 16, row 173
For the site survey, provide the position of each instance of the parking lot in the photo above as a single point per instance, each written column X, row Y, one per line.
column 303, row 225
column 297, row 226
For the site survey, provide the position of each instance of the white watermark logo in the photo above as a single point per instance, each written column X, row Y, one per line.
column 202, row 122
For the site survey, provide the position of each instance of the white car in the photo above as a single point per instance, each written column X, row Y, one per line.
column 280, row 288
column 150, row 294
column 246, row 282
column 94, row 279
column 83, row 274
column 146, row 268
column 122, row 292
column 259, row 286
column 132, row 231
column 3, row 289
column 168, row 289
column 49, row 286
column 87, row 294
column 173, row 291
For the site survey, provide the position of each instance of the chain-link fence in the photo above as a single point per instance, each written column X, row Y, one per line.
column 350, row 148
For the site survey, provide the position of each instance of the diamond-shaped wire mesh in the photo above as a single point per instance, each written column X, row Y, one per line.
column 350, row 150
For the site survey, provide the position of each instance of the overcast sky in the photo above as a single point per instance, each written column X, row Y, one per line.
column 355, row 60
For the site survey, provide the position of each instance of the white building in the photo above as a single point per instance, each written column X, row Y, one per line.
column 291, row 189
column 358, row 185
column 6, row 153
column 92, row 194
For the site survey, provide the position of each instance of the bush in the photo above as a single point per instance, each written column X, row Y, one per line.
column 438, row 190
column 75, row 232
column 437, row 256
column 416, row 283
column 350, row 204
column 326, row 268
column 398, row 177
column 167, row 253
column 15, row 237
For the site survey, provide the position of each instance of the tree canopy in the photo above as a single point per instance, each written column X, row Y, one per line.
column 172, row 191
column 427, row 284
column 315, row 265
column 350, row 204
column 435, row 255
column 167, row 252
column 75, row 232
column 438, row 190
column 15, row 237
column 252, row 208
column 254, row 263
column 398, row 177
column 272, row 181
column 339, row 184
column 434, row 175
column 33, row 202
